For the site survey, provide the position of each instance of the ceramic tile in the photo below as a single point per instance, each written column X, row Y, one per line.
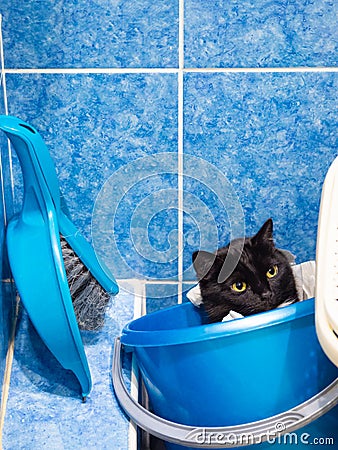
column 140, row 230
column 68, row 33
column 97, row 127
column 272, row 137
column 44, row 408
column 260, row 33
column 160, row 296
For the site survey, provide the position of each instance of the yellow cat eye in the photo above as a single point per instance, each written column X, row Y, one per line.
column 272, row 272
column 240, row 286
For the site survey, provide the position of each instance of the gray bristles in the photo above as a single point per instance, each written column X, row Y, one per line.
column 89, row 298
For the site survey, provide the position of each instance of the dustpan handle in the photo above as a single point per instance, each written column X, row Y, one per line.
column 228, row 436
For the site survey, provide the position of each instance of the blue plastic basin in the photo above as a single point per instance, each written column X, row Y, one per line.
column 228, row 373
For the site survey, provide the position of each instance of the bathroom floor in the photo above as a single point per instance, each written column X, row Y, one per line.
column 44, row 409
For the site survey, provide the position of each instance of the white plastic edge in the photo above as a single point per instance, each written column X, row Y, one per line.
column 327, row 266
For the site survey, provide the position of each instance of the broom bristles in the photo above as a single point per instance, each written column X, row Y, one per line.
column 89, row 298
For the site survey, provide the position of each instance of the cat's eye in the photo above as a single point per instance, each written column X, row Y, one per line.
column 240, row 286
column 272, row 272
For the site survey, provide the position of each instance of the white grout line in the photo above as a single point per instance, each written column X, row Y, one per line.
column 261, row 70
column 145, row 282
column 92, row 70
column 180, row 161
column 126, row 71
column 140, row 303
column 181, row 35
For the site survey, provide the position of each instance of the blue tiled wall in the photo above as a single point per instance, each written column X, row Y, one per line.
column 105, row 85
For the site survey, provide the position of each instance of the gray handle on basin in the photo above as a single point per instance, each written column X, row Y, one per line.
column 227, row 436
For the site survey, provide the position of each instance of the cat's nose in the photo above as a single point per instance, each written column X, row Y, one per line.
column 266, row 295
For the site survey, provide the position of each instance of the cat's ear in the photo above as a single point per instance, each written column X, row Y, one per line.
column 265, row 234
column 203, row 262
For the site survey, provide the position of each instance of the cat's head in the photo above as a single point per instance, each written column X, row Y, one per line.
column 261, row 280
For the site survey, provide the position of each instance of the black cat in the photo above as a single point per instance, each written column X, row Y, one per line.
column 262, row 278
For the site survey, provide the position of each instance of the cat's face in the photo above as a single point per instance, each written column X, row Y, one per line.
column 262, row 279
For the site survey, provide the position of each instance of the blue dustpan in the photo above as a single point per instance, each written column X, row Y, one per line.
column 35, row 253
